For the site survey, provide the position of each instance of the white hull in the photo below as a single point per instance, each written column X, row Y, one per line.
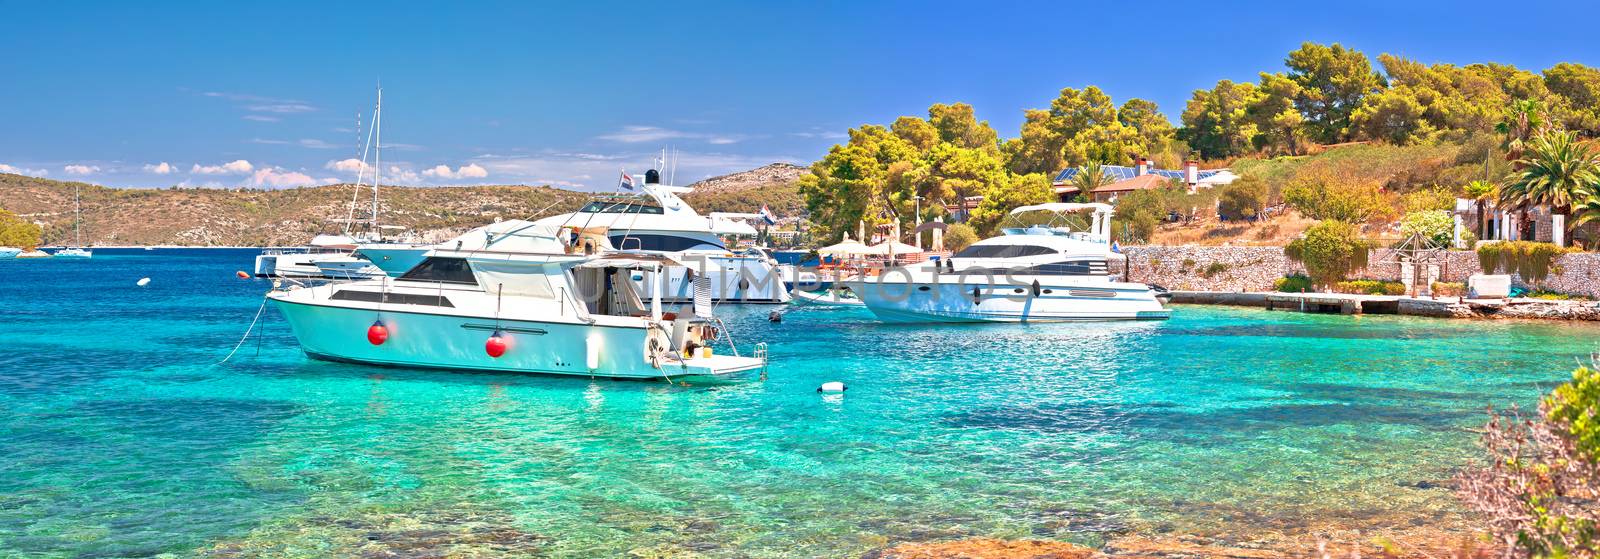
column 73, row 253
column 311, row 265
column 8, row 252
column 1058, row 300
column 542, row 336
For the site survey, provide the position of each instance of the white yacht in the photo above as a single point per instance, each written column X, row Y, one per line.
column 1046, row 272
column 307, row 262
column 9, row 252
column 335, row 257
column 656, row 221
column 77, row 236
column 516, row 298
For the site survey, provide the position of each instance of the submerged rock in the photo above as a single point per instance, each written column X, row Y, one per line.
column 984, row 548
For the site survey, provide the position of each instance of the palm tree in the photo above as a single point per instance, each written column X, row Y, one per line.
column 1481, row 192
column 1522, row 119
column 1587, row 208
column 1557, row 171
column 1091, row 176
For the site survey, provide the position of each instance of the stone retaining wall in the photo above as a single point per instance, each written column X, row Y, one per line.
column 1234, row 269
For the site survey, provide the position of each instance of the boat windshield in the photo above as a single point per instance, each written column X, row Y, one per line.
column 619, row 207
column 1002, row 251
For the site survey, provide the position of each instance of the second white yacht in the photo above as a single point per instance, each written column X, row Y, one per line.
column 1049, row 271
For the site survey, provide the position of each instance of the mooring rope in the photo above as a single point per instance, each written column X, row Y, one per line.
column 247, row 331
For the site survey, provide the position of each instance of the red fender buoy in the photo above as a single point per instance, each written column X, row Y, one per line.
column 377, row 333
column 496, row 345
column 241, row 274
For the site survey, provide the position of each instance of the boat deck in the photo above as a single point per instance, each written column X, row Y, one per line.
column 716, row 365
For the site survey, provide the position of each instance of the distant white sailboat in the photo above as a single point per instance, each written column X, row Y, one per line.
column 76, row 251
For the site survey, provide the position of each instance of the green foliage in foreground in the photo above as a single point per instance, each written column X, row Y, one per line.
column 1541, row 485
column 17, row 232
column 1528, row 259
column 1330, row 251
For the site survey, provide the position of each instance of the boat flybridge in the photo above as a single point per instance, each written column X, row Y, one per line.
column 517, row 297
column 1050, row 264
column 656, row 221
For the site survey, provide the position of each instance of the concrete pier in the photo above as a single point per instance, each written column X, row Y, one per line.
column 1345, row 303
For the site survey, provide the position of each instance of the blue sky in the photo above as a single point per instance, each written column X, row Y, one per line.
column 266, row 94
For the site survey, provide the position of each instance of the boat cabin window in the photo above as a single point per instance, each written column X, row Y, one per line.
column 442, row 269
column 397, row 298
column 1079, row 268
column 1002, row 251
column 604, row 207
column 664, row 243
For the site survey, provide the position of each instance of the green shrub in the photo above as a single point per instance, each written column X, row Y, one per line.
column 1435, row 226
column 1188, row 263
column 1370, row 287
column 1449, row 288
column 1213, row 269
column 1528, row 259
column 959, row 236
column 1292, row 284
column 1553, row 295
column 1330, row 250
column 1242, row 200
column 1323, row 195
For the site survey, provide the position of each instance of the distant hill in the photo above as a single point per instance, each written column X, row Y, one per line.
column 775, row 185
column 288, row 217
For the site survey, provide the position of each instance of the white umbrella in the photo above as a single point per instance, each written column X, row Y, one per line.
column 847, row 248
column 893, row 247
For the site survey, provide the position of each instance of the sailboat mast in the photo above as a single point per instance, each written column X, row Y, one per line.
column 377, row 158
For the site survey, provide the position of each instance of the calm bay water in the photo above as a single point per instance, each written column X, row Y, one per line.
column 120, row 436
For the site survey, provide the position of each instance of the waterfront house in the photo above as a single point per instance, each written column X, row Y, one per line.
column 1141, row 176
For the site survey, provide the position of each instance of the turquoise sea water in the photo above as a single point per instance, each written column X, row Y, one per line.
column 120, row 437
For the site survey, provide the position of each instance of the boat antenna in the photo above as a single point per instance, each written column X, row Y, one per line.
column 361, row 174
column 672, row 178
column 377, row 157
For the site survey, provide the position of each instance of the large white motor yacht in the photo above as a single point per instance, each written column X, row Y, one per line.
column 657, row 221
column 523, row 301
column 1046, row 272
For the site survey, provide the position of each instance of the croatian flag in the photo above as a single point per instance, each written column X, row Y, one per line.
column 627, row 181
column 766, row 215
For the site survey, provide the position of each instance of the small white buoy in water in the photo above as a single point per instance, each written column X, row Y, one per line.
column 832, row 386
column 143, row 282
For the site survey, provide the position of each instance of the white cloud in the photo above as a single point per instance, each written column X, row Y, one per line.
column 261, row 118
column 397, row 174
column 648, row 134
column 578, row 170
column 351, row 165
column 162, row 168
column 81, row 169
column 469, row 171
column 23, row 171
column 316, row 144
column 282, row 108
column 279, row 178
column 238, row 167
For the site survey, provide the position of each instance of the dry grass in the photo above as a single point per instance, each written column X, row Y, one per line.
column 1277, row 231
